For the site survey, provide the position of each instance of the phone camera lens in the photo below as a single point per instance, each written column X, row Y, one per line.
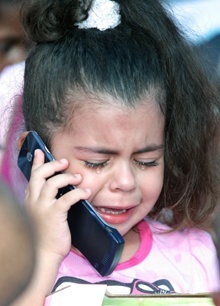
column 29, row 156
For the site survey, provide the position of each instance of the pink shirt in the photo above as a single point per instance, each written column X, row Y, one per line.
column 180, row 262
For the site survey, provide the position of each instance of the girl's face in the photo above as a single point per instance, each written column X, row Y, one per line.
column 119, row 153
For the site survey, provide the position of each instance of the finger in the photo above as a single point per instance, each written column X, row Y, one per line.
column 70, row 198
column 50, row 167
column 53, row 184
column 39, row 159
column 41, row 172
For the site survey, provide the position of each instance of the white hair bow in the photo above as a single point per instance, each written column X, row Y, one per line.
column 103, row 15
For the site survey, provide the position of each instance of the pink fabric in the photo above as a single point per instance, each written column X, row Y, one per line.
column 11, row 88
column 181, row 262
column 9, row 170
column 16, row 120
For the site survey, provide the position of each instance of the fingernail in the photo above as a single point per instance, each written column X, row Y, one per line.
column 36, row 151
column 63, row 161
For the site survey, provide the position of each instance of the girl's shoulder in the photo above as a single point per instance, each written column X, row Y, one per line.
column 188, row 239
column 190, row 255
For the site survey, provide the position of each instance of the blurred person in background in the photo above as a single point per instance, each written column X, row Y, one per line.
column 13, row 41
column 14, row 46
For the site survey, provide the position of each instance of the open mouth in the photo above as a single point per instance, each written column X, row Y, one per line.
column 115, row 216
column 112, row 211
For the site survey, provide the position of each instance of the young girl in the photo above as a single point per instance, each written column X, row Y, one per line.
column 118, row 97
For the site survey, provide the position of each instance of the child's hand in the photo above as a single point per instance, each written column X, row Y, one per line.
column 49, row 213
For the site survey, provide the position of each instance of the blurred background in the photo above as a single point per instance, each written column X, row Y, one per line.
column 13, row 41
column 200, row 19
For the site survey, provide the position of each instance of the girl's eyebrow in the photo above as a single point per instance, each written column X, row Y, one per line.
column 100, row 150
column 150, row 148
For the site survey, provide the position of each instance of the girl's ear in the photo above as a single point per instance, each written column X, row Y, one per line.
column 21, row 140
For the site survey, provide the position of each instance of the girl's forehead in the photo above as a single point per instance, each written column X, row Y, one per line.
column 87, row 104
column 111, row 125
column 99, row 113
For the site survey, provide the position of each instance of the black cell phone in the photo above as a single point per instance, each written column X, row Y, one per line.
column 98, row 241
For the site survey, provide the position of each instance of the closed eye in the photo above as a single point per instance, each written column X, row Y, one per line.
column 142, row 164
column 96, row 165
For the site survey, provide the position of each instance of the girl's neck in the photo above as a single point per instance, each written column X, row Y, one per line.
column 132, row 244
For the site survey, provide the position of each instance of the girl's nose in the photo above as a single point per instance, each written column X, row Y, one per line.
column 123, row 178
